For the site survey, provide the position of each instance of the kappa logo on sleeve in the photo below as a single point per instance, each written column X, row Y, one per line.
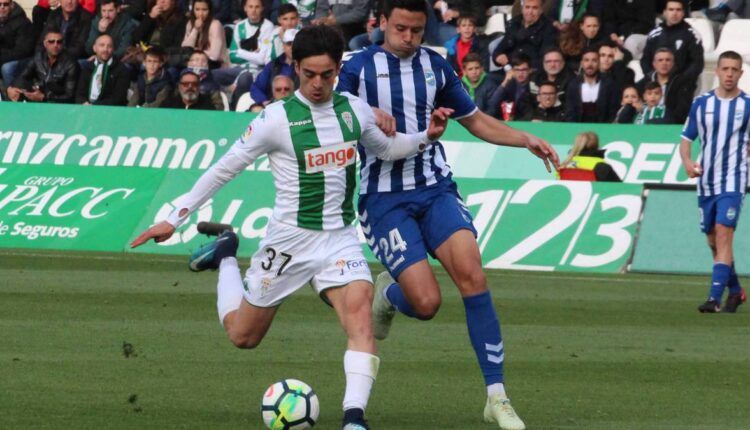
column 330, row 157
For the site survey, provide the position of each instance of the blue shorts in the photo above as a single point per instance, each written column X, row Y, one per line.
column 721, row 209
column 402, row 227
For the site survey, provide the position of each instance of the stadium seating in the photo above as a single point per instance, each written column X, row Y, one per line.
column 706, row 31
column 496, row 24
column 635, row 66
column 734, row 36
column 244, row 103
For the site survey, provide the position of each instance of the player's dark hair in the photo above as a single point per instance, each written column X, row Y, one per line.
column 651, row 86
column 287, row 8
column 519, row 59
column 730, row 55
column 318, row 40
column 410, row 5
column 471, row 57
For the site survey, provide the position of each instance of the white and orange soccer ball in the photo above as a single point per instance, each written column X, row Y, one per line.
column 290, row 405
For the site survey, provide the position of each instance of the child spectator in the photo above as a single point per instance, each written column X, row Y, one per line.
column 198, row 64
column 204, row 33
column 153, row 85
column 462, row 43
column 478, row 84
column 654, row 111
column 288, row 19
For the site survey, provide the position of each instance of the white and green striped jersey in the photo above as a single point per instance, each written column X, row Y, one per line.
column 312, row 151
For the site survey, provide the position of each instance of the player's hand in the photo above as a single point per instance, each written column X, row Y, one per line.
column 438, row 122
column 692, row 169
column 159, row 232
column 543, row 150
column 385, row 122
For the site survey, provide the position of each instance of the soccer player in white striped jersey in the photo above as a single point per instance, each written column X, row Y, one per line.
column 721, row 119
column 410, row 208
column 311, row 140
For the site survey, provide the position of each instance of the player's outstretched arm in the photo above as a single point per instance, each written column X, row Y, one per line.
column 159, row 232
column 496, row 132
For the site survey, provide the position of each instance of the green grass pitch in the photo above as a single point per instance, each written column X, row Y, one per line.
column 94, row 341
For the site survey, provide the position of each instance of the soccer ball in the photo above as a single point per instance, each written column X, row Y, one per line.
column 290, row 405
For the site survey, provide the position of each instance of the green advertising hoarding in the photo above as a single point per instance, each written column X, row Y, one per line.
column 39, row 134
column 534, row 224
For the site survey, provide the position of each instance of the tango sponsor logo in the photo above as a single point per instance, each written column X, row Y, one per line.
column 330, row 157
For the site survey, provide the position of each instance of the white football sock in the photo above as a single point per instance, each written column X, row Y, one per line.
column 494, row 389
column 360, row 368
column 229, row 288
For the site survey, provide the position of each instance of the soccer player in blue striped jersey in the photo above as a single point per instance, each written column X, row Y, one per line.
column 721, row 119
column 411, row 207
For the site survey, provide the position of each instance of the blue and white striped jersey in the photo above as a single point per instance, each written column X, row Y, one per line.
column 409, row 89
column 722, row 126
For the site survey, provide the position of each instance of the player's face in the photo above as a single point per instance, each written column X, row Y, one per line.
column 403, row 31
column 590, row 27
column 673, row 13
column 590, row 64
column 316, row 77
column 532, row 10
column 652, row 97
column 606, row 58
column 629, row 96
column 663, row 63
column 729, row 72
column 473, row 71
column 287, row 21
column 553, row 63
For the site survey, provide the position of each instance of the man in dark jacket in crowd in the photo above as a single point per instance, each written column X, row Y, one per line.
column 613, row 63
column 110, row 21
column 16, row 38
column 553, row 70
column 188, row 96
column 625, row 17
column 50, row 77
column 106, row 80
column 676, row 34
column 677, row 89
column 72, row 21
column 512, row 100
column 548, row 108
column 591, row 97
column 529, row 33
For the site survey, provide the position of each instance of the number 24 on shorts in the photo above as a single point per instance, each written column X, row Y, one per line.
column 272, row 254
column 394, row 243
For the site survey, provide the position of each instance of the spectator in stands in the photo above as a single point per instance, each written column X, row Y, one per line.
column 153, row 85
column 653, row 110
column 72, row 20
column 613, row 62
column 262, row 89
column 105, row 81
column 564, row 12
column 188, row 95
column 462, row 43
column 628, row 22
column 350, row 16
column 308, row 9
column 512, row 100
column 282, row 86
column 198, row 63
column 548, row 109
column 554, row 70
column 16, row 38
column 579, row 36
column 530, row 34
column 676, row 34
column 591, row 97
column 677, row 89
column 586, row 161
column 446, row 14
column 40, row 12
column 288, row 19
column 111, row 22
column 164, row 26
column 204, row 33
column 247, row 53
column 50, row 77
column 477, row 83
column 135, row 9
column 629, row 105
column 721, row 12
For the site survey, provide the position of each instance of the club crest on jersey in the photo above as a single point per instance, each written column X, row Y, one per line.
column 248, row 132
column 347, row 117
column 330, row 157
column 341, row 264
column 430, row 78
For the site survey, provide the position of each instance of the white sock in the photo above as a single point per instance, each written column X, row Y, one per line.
column 494, row 389
column 229, row 288
column 360, row 368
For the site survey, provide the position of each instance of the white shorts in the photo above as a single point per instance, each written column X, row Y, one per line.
column 290, row 257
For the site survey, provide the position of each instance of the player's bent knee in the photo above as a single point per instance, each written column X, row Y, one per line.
column 426, row 308
column 244, row 340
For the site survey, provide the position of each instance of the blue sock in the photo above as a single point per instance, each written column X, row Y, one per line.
column 484, row 332
column 398, row 300
column 734, row 282
column 719, row 280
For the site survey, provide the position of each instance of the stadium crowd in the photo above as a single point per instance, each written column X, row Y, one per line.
column 556, row 60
